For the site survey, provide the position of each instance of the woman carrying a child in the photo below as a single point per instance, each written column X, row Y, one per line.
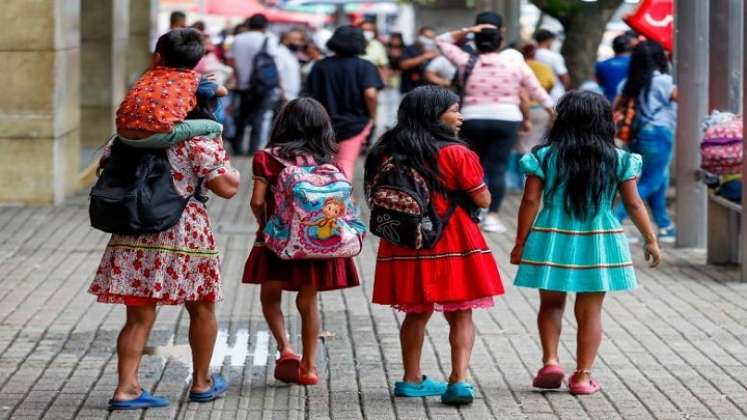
column 180, row 265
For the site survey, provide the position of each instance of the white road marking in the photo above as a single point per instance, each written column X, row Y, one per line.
column 261, row 346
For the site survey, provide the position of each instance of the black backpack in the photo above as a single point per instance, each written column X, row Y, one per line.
column 265, row 75
column 135, row 192
column 401, row 208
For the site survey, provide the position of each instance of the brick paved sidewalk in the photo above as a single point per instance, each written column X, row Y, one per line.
column 675, row 348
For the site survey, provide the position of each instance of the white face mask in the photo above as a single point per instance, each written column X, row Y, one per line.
column 369, row 35
column 427, row 43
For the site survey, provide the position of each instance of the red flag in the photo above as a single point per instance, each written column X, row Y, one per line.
column 654, row 19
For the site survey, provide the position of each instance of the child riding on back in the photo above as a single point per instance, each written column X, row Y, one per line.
column 153, row 113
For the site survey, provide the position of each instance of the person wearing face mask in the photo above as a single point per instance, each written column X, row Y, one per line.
column 289, row 66
column 415, row 59
column 375, row 50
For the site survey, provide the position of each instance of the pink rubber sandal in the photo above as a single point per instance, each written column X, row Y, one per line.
column 587, row 388
column 287, row 366
column 549, row 377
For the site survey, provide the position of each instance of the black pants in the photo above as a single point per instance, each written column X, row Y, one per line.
column 257, row 113
column 493, row 141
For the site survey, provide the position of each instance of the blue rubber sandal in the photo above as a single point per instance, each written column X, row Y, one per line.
column 458, row 393
column 220, row 386
column 145, row 400
column 426, row 388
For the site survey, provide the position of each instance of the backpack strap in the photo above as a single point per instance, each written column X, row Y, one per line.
column 198, row 194
column 468, row 68
column 301, row 160
column 454, row 198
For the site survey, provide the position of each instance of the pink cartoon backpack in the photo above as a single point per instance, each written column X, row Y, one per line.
column 315, row 217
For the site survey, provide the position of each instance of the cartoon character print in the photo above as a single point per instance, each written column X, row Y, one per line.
column 324, row 230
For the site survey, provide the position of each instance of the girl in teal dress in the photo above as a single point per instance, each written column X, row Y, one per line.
column 576, row 243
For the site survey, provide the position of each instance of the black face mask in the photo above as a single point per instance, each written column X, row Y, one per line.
column 294, row 47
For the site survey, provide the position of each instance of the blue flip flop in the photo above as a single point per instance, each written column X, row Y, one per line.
column 220, row 386
column 458, row 393
column 426, row 388
column 145, row 400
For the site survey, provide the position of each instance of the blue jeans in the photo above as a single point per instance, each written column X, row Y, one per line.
column 654, row 144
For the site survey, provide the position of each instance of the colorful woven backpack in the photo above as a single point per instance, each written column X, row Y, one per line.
column 315, row 217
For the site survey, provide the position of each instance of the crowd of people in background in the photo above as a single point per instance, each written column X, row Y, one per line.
column 432, row 180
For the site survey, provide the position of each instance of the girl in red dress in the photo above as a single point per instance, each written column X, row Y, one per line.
column 302, row 130
column 458, row 274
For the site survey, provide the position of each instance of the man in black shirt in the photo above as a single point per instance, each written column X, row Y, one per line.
column 347, row 86
column 416, row 57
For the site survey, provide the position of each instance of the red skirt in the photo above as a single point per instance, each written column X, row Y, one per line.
column 264, row 266
column 459, row 268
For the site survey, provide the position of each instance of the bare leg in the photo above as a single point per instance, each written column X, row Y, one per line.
column 462, row 339
column 549, row 324
column 411, row 338
column 308, row 307
column 271, row 294
column 589, row 317
column 203, row 329
column 130, row 346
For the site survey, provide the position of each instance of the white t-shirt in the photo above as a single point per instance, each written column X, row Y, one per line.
column 245, row 46
column 290, row 72
column 442, row 67
column 557, row 62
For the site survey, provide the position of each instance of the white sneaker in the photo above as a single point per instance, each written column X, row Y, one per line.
column 493, row 224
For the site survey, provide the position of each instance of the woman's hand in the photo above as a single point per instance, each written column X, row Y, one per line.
column 516, row 254
column 652, row 253
column 526, row 127
column 479, row 28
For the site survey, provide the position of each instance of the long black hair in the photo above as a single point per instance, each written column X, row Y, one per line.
column 648, row 57
column 303, row 127
column 582, row 141
column 415, row 140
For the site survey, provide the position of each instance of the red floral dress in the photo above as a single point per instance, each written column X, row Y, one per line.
column 161, row 98
column 459, row 272
column 264, row 266
column 179, row 264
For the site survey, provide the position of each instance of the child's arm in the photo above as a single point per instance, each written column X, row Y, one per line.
column 639, row 215
column 182, row 131
column 226, row 185
column 481, row 198
column 530, row 203
column 257, row 202
column 221, row 91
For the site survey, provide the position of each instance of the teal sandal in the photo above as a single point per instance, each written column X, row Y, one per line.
column 458, row 393
column 426, row 388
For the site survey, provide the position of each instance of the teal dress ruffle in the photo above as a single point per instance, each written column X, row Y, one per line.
column 565, row 254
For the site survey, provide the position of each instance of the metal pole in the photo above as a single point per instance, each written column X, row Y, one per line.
column 692, row 78
column 511, row 14
column 743, row 229
column 725, row 58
